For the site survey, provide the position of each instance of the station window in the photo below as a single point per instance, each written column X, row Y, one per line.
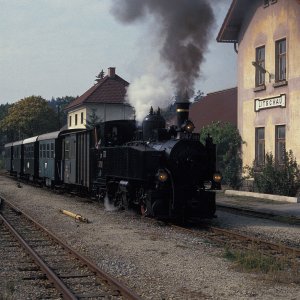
column 280, row 63
column 75, row 119
column 280, row 144
column 260, row 60
column 81, row 118
column 70, row 121
column 260, row 146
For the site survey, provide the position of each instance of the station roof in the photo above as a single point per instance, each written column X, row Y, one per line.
column 109, row 89
column 232, row 23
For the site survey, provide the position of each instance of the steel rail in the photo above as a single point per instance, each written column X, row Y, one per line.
column 59, row 285
column 123, row 290
column 242, row 237
column 275, row 246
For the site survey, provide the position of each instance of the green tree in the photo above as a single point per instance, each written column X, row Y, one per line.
column 4, row 134
column 100, row 76
column 228, row 140
column 93, row 120
column 198, row 96
column 58, row 105
column 29, row 117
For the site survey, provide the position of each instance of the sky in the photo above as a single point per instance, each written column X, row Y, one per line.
column 55, row 48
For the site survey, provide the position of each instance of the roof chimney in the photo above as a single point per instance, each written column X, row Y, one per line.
column 111, row 72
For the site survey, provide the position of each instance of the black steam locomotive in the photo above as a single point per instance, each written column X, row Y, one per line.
column 165, row 173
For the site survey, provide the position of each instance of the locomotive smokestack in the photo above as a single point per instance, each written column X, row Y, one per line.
column 182, row 110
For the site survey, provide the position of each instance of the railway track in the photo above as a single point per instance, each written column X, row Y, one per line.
column 70, row 275
column 237, row 240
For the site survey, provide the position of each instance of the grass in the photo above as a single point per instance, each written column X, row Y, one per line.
column 284, row 269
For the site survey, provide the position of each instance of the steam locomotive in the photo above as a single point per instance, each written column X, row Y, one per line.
column 164, row 173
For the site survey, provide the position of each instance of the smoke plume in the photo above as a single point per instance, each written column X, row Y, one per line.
column 183, row 27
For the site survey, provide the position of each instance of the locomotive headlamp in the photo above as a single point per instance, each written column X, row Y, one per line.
column 217, row 177
column 162, row 175
column 216, row 183
column 188, row 126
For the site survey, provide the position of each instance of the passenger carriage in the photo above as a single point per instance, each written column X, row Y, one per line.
column 18, row 158
column 50, row 158
column 8, row 148
column 31, row 159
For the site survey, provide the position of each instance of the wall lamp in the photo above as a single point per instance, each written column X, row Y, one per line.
column 262, row 69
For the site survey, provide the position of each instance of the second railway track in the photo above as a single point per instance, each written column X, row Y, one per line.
column 72, row 275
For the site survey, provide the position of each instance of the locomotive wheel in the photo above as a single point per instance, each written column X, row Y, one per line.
column 142, row 197
column 143, row 210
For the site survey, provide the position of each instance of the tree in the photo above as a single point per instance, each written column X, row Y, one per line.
column 93, row 120
column 58, row 105
column 198, row 96
column 29, row 117
column 100, row 76
column 228, row 140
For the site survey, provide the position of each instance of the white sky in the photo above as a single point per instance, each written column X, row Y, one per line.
column 55, row 48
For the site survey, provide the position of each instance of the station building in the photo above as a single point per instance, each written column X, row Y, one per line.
column 266, row 36
column 104, row 101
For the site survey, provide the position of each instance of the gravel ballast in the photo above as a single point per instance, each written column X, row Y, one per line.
column 157, row 261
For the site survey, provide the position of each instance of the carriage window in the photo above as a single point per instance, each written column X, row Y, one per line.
column 41, row 151
column 52, row 150
column 44, row 150
column 115, row 131
column 48, row 151
column 67, row 149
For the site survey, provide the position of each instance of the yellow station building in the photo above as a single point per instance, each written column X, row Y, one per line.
column 266, row 36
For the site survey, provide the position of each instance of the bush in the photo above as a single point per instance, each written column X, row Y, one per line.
column 276, row 179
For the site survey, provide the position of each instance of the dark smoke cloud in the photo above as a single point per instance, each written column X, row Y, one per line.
column 184, row 26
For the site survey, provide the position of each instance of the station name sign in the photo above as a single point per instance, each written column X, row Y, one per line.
column 279, row 101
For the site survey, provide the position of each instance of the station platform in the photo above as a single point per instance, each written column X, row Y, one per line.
column 260, row 205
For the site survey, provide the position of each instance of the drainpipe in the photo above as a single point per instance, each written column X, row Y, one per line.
column 236, row 47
